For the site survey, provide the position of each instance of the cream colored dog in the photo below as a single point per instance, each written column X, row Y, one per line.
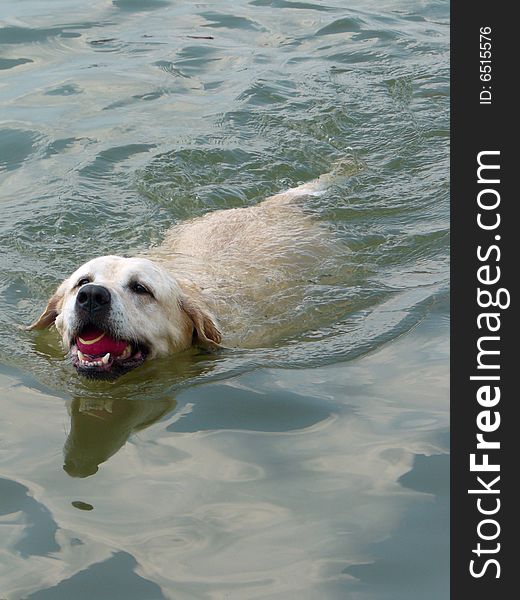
column 219, row 275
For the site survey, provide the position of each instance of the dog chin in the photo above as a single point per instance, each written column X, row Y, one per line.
column 107, row 366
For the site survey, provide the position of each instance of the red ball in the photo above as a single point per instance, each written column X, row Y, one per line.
column 95, row 342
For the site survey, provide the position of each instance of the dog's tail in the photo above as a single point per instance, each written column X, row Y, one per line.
column 341, row 170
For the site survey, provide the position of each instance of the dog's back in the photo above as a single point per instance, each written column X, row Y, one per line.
column 252, row 265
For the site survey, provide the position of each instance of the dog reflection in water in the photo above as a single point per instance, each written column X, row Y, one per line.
column 99, row 428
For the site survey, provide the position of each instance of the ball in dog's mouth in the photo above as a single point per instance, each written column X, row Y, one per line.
column 98, row 355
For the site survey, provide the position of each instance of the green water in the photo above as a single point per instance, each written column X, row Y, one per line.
column 314, row 468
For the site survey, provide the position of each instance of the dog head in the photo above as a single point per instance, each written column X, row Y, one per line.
column 113, row 313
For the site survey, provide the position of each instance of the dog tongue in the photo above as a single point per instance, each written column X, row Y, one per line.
column 95, row 342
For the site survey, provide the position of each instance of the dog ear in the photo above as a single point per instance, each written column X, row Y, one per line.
column 206, row 332
column 48, row 316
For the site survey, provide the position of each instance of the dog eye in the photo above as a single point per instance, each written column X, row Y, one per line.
column 138, row 288
column 83, row 281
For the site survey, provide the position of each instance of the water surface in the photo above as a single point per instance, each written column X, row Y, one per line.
column 314, row 467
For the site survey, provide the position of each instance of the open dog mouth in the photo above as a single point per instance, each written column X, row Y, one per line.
column 98, row 355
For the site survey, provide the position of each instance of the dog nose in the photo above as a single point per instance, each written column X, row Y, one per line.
column 93, row 298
